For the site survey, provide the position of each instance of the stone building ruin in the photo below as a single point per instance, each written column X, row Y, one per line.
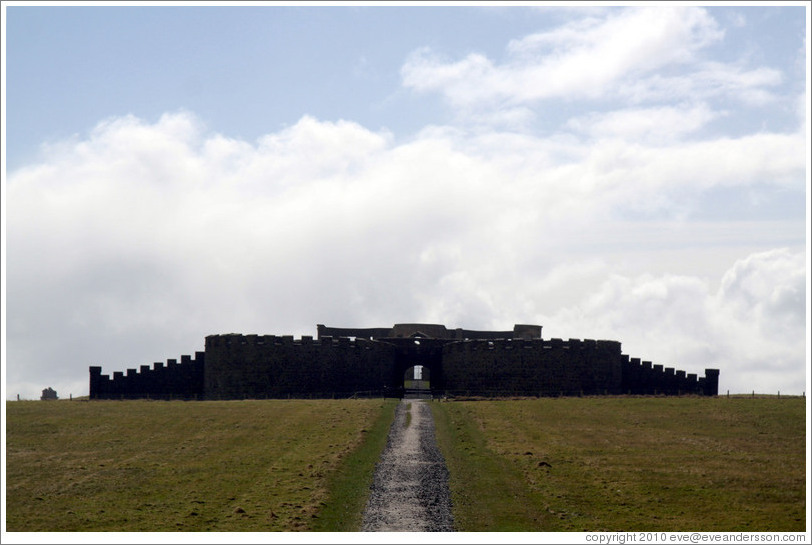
column 48, row 394
column 347, row 362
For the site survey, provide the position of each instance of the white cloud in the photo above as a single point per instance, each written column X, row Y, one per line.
column 636, row 39
column 752, row 326
column 708, row 80
column 635, row 55
column 767, row 290
column 580, row 59
column 131, row 245
column 653, row 125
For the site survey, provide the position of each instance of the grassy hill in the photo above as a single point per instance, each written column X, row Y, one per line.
column 566, row 464
column 192, row 466
column 626, row 463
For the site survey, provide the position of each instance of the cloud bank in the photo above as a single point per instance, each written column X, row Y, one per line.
column 130, row 244
column 630, row 55
column 133, row 244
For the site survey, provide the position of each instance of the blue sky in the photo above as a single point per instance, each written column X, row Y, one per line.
column 634, row 173
column 244, row 71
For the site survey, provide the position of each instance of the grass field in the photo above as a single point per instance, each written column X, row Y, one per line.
column 618, row 464
column 566, row 464
column 191, row 466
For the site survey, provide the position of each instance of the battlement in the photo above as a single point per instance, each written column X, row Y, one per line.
column 343, row 361
column 235, row 339
column 549, row 344
column 281, row 366
column 172, row 380
column 645, row 378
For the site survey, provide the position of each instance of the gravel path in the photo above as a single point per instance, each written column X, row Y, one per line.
column 410, row 488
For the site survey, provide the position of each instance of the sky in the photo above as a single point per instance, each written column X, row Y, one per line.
column 636, row 173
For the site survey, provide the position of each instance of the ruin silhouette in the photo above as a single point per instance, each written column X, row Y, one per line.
column 48, row 393
column 353, row 362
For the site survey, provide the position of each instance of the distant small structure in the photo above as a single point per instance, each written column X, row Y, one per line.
column 48, row 393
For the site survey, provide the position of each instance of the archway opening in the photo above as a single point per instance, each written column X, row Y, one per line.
column 417, row 377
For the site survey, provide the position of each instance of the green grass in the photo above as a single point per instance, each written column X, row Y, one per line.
column 488, row 494
column 615, row 464
column 664, row 464
column 194, row 466
column 349, row 486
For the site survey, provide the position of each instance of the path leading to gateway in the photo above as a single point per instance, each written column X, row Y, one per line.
column 410, row 487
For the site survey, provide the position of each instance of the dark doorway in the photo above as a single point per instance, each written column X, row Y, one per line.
column 417, row 377
column 418, row 367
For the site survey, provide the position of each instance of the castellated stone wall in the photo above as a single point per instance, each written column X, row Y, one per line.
column 533, row 367
column 555, row 367
column 644, row 378
column 258, row 366
column 237, row 366
column 173, row 380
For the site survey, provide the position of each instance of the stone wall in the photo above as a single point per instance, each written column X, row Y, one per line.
column 533, row 367
column 236, row 366
column 174, row 380
column 258, row 366
column 644, row 378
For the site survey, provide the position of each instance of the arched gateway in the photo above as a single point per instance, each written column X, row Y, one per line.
column 342, row 362
column 419, row 344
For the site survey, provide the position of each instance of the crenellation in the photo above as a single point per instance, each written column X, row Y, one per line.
column 609, row 346
column 496, row 363
column 711, row 386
